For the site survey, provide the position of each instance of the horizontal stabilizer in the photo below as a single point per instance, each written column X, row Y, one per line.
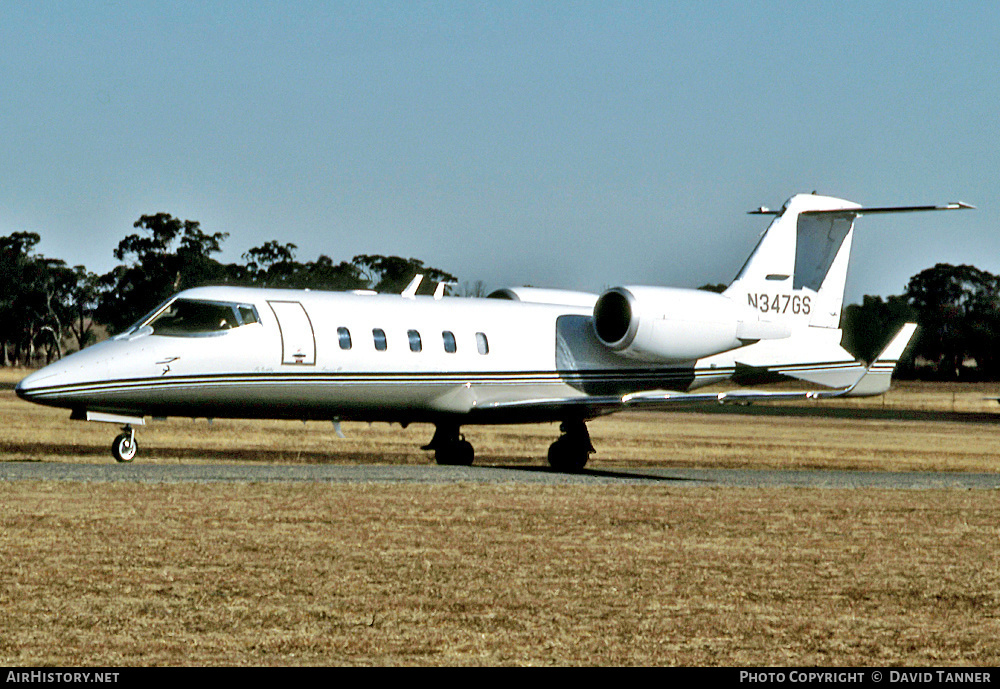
column 954, row 206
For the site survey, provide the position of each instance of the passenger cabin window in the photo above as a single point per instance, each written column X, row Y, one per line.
column 482, row 344
column 192, row 318
column 344, row 336
column 379, row 336
column 449, row 341
column 414, row 337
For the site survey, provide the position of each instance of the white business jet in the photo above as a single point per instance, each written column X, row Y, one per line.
column 524, row 355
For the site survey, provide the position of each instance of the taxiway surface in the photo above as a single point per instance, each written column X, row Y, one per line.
column 375, row 473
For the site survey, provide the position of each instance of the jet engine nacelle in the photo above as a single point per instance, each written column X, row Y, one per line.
column 542, row 295
column 666, row 324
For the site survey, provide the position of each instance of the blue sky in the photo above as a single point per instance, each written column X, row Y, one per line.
column 565, row 144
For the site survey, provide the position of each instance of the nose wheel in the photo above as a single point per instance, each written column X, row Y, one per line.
column 124, row 447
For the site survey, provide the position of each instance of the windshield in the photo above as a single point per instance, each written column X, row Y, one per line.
column 192, row 317
column 185, row 317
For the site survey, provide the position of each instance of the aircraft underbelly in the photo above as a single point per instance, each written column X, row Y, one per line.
column 313, row 396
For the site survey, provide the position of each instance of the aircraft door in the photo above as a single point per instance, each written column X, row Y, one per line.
column 298, row 341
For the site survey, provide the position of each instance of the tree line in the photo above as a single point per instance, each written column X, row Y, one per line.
column 958, row 311
column 47, row 305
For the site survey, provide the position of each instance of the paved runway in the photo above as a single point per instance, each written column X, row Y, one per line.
column 374, row 473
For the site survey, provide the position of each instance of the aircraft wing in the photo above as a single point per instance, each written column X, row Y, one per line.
column 874, row 380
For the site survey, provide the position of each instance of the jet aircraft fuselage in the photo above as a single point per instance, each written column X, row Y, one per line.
column 265, row 353
column 529, row 355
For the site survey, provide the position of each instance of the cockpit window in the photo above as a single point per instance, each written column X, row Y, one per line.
column 248, row 314
column 189, row 317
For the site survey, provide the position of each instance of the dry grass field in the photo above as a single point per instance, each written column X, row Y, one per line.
column 454, row 575
column 380, row 574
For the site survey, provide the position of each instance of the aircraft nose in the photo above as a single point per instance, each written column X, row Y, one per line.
column 28, row 386
column 42, row 386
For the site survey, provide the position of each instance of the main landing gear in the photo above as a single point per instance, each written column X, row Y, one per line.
column 124, row 447
column 569, row 453
column 572, row 450
column 450, row 447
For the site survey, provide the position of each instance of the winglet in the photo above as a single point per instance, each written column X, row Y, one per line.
column 411, row 289
column 878, row 376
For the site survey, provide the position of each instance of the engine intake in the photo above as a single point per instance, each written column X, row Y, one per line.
column 613, row 316
column 666, row 324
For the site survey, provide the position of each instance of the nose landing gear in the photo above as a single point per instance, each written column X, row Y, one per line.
column 124, row 447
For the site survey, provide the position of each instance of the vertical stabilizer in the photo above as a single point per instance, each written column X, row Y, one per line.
column 795, row 279
column 797, row 274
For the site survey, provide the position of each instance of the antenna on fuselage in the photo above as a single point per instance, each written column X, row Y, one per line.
column 441, row 286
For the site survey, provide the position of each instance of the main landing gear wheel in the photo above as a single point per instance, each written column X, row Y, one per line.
column 124, row 447
column 457, row 453
column 450, row 447
column 571, row 451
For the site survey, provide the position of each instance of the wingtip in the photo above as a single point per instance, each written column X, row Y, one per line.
column 877, row 377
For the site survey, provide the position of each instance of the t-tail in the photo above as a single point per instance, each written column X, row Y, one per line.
column 794, row 283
